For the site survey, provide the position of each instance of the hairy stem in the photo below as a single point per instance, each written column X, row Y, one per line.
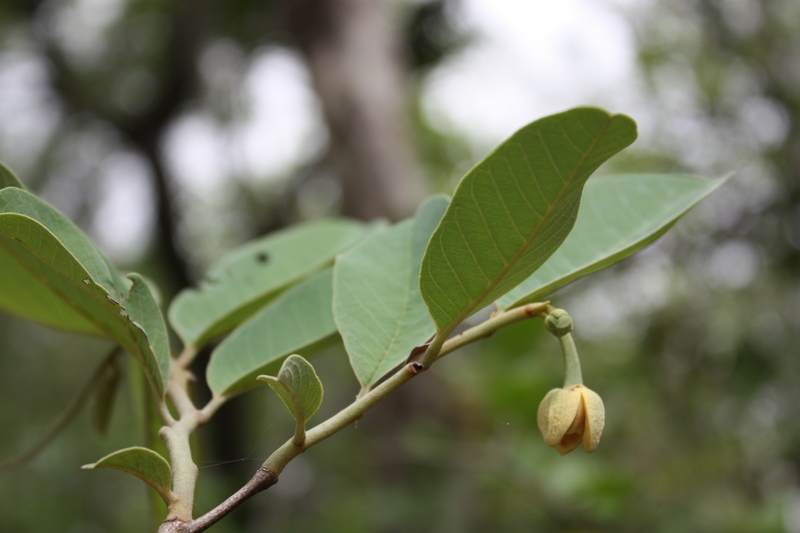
column 176, row 435
column 441, row 346
column 184, row 470
column 212, row 407
column 488, row 328
column 299, row 438
column 178, row 389
column 186, row 356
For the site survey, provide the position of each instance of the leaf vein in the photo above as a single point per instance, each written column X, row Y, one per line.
column 552, row 161
column 505, row 206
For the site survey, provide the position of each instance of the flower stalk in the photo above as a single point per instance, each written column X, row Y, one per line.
column 574, row 413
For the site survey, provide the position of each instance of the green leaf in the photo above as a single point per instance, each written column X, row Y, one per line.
column 514, row 209
column 53, row 271
column 36, row 270
column 619, row 216
column 20, row 202
column 252, row 275
column 298, row 387
column 145, row 316
column 300, row 321
column 8, row 178
column 376, row 300
column 143, row 463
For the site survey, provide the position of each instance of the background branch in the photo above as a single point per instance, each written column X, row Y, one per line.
column 72, row 409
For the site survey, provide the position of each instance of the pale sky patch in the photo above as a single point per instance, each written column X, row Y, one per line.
column 530, row 59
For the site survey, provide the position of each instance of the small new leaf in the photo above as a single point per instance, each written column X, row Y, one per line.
column 298, row 386
column 143, row 463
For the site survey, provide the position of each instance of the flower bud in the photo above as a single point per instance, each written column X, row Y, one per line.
column 569, row 416
column 558, row 322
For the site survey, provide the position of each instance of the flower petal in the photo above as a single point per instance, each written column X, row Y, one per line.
column 556, row 414
column 568, row 443
column 595, row 419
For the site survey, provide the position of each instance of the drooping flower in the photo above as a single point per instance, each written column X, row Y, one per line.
column 571, row 415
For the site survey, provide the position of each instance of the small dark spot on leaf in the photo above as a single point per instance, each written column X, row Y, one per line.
column 262, row 257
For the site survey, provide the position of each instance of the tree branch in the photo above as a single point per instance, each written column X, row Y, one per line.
column 178, row 390
column 488, row 328
column 184, row 470
column 268, row 474
column 212, row 407
column 261, row 480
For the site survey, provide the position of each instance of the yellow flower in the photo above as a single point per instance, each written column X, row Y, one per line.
column 569, row 416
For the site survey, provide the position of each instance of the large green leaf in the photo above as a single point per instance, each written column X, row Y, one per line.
column 619, row 216
column 8, row 178
column 250, row 276
column 376, row 298
column 514, row 209
column 21, row 202
column 43, row 261
column 299, row 321
column 298, row 387
column 34, row 280
column 143, row 463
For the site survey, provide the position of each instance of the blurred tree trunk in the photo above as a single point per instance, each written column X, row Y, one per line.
column 354, row 53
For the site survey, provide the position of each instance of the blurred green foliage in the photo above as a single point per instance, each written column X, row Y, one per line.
column 693, row 344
